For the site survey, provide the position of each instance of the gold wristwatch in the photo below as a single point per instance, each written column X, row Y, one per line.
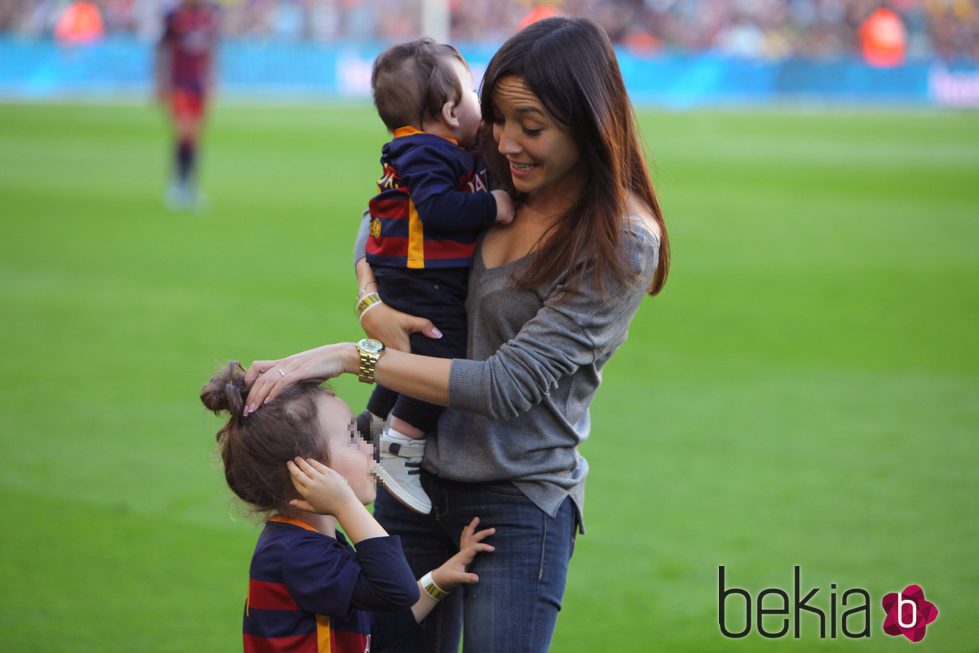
column 370, row 351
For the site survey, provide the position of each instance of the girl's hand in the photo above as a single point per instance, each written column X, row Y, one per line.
column 271, row 377
column 392, row 327
column 323, row 490
column 453, row 572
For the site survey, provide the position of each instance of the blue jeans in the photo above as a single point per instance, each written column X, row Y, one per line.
column 514, row 606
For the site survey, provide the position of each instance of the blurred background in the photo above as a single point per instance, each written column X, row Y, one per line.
column 673, row 52
column 803, row 392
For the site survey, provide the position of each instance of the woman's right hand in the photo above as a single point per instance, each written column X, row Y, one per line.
column 381, row 322
column 392, row 327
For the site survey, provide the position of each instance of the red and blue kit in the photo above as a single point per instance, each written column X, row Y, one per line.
column 431, row 205
column 311, row 593
column 190, row 33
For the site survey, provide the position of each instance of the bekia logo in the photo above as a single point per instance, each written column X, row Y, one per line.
column 908, row 613
column 843, row 612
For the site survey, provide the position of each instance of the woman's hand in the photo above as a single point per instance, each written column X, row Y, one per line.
column 453, row 572
column 323, row 490
column 381, row 322
column 271, row 377
column 392, row 327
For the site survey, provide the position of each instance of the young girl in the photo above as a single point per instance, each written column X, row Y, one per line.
column 303, row 464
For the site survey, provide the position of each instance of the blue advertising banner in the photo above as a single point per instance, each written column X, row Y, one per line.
column 274, row 70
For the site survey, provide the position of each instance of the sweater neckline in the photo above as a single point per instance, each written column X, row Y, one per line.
column 482, row 261
column 631, row 220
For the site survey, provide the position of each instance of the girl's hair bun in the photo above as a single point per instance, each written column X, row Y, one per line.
column 226, row 390
column 254, row 448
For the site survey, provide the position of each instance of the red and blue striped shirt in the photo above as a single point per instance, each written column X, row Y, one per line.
column 304, row 589
column 191, row 31
column 432, row 202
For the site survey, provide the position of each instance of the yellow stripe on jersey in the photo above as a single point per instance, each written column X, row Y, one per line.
column 323, row 642
column 416, row 239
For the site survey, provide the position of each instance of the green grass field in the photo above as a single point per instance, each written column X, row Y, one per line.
column 803, row 392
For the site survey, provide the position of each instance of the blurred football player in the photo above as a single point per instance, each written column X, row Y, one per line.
column 184, row 77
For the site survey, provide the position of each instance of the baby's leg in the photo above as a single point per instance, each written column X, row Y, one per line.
column 402, row 444
column 438, row 295
column 406, row 429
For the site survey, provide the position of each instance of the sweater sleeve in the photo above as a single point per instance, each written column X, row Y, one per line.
column 565, row 334
column 363, row 233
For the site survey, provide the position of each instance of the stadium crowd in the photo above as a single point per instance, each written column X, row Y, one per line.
column 770, row 29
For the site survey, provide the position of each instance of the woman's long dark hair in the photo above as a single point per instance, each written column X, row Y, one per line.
column 569, row 64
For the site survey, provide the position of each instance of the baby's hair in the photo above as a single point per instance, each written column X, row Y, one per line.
column 411, row 81
column 255, row 449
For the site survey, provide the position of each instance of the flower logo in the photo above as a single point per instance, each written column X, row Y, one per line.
column 908, row 613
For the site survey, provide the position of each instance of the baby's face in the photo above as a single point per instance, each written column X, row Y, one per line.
column 468, row 109
column 350, row 455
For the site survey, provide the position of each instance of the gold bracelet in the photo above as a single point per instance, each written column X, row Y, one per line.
column 366, row 302
column 431, row 587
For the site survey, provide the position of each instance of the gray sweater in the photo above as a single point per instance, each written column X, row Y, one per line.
column 519, row 406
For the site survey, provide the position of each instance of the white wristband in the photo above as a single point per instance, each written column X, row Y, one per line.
column 431, row 587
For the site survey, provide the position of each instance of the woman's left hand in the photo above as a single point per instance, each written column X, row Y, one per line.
column 269, row 378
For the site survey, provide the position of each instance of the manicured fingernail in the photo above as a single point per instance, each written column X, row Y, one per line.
column 436, row 332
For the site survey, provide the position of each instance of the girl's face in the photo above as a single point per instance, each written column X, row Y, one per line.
column 350, row 455
column 543, row 155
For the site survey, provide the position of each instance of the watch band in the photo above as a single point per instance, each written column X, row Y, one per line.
column 367, row 362
column 368, row 359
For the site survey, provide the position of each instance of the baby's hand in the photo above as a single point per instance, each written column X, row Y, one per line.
column 323, row 490
column 504, row 207
column 453, row 572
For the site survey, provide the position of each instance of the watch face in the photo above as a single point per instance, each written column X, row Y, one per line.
column 371, row 346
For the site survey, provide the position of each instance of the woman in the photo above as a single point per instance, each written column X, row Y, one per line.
column 550, row 299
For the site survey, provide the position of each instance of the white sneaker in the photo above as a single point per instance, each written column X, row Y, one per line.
column 399, row 470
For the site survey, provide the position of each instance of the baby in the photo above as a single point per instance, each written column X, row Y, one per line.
column 431, row 207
